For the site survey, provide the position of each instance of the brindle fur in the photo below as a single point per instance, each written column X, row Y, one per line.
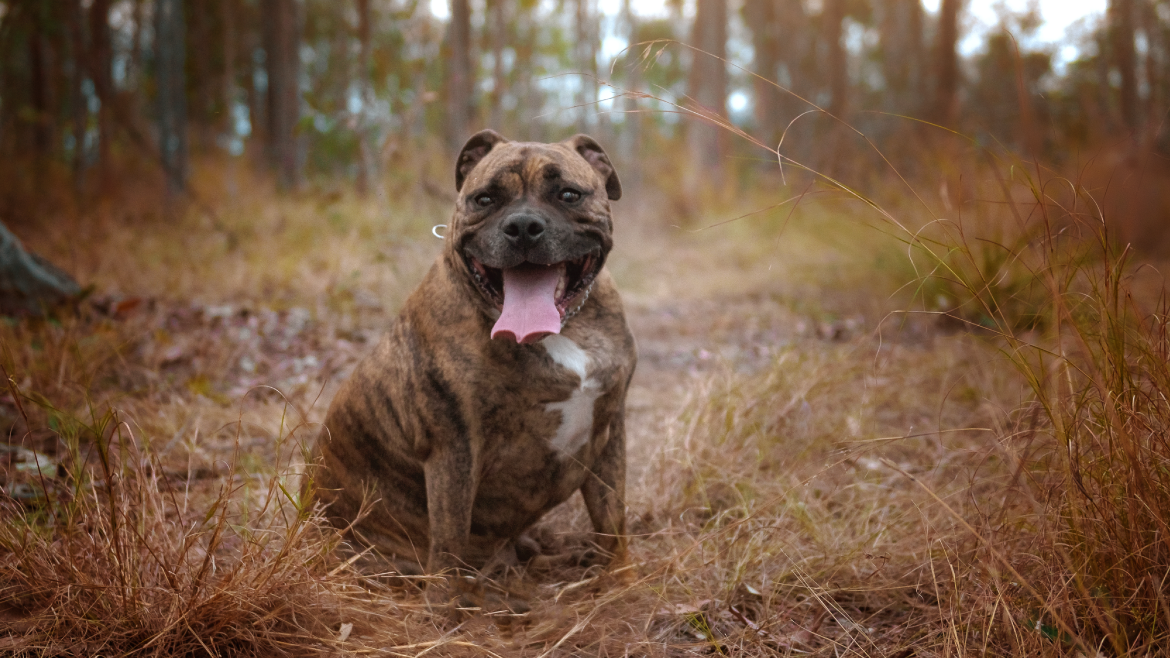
column 449, row 430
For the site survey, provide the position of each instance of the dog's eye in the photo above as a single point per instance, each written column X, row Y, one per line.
column 569, row 196
column 484, row 200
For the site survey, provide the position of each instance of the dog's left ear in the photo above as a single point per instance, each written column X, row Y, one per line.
column 596, row 157
column 480, row 144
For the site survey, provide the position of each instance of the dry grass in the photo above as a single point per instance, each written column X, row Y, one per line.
column 809, row 475
column 134, row 563
column 1098, row 485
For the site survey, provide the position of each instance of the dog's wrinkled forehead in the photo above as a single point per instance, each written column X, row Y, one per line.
column 489, row 160
column 519, row 166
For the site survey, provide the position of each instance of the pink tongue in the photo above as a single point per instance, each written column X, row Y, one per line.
column 530, row 308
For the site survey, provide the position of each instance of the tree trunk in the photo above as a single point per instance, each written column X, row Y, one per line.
column 29, row 285
column 631, row 120
column 367, row 167
column 797, row 70
column 136, row 43
column 200, row 50
column 708, row 90
column 136, row 75
column 80, row 108
column 529, row 99
column 916, row 52
column 586, row 67
column 1125, row 59
column 1030, row 137
column 1155, row 48
column 832, row 18
column 253, row 39
column 171, row 79
column 40, row 91
column 460, row 80
column 902, row 55
column 282, row 47
column 103, row 82
column 1160, row 94
column 780, row 44
column 766, row 39
column 228, row 86
column 498, row 29
column 1103, row 101
column 946, row 78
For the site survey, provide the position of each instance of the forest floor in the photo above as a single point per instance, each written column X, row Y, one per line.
column 804, row 459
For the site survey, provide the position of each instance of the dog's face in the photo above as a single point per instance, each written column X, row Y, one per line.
column 532, row 228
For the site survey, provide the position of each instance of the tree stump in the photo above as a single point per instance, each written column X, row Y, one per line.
column 29, row 284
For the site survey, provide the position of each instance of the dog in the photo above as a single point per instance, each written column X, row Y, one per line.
column 500, row 388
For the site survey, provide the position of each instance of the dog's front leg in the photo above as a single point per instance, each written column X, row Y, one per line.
column 604, row 491
column 450, row 494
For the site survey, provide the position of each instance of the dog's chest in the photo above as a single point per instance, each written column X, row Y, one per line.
column 576, row 412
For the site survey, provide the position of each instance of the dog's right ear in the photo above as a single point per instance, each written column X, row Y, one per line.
column 480, row 144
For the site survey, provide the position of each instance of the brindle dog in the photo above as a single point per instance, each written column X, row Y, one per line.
column 500, row 389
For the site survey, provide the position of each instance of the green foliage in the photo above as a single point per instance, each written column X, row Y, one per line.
column 985, row 284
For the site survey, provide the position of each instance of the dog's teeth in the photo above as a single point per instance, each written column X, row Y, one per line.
column 584, row 298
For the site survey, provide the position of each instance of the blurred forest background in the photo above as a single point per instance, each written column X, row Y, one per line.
column 100, row 98
column 927, row 417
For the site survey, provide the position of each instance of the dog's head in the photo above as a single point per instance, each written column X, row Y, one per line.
column 531, row 228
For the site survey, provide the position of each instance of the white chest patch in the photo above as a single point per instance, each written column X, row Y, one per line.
column 576, row 412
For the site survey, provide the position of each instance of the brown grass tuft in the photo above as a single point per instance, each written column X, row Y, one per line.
column 121, row 558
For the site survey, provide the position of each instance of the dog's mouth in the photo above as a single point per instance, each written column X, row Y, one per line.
column 535, row 300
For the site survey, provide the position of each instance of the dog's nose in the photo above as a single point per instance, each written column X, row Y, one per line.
column 524, row 230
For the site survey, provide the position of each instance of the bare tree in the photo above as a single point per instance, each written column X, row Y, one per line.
column 788, row 32
column 367, row 166
column 528, row 95
column 460, row 80
column 228, row 88
column 1030, row 137
column 170, row 53
column 76, row 84
column 498, row 29
column 1157, row 63
column 586, row 65
column 707, row 87
column 832, row 17
column 900, row 27
column 282, row 46
column 780, row 43
column 1121, row 33
column 229, row 91
column 101, row 64
column 136, row 38
column 40, row 80
column 631, row 142
column 762, row 19
column 946, row 78
column 201, row 101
